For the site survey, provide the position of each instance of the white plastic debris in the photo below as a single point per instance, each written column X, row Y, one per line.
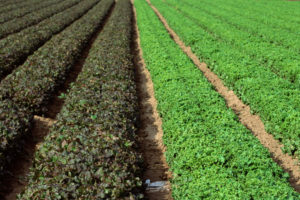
column 156, row 185
column 147, row 182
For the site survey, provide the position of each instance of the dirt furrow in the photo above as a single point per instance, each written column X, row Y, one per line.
column 16, row 180
column 252, row 122
column 156, row 172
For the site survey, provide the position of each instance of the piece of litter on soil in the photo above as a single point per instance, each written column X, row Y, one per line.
column 155, row 185
column 147, row 182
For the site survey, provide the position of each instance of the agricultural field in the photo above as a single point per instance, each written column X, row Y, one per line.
column 149, row 99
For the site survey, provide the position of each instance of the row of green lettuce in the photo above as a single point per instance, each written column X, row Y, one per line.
column 33, row 18
column 20, row 12
column 268, row 47
column 276, row 100
column 256, row 11
column 25, row 92
column 15, row 48
column 273, row 8
column 271, row 11
column 15, row 4
column 278, row 47
column 90, row 152
column 210, row 153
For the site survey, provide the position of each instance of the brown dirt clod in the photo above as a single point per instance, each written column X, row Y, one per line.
column 252, row 122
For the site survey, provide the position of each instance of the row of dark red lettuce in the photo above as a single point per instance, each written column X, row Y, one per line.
column 26, row 91
column 90, row 152
column 15, row 48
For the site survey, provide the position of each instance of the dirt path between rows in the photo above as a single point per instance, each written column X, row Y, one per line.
column 252, row 122
column 150, row 133
column 16, row 182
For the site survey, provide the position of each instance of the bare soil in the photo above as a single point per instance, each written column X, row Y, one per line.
column 252, row 122
column 150, row 131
